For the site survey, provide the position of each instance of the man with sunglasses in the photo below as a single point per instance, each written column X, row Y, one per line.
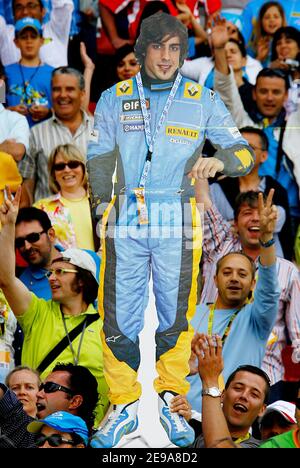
column 66, row 328
column 68, row 388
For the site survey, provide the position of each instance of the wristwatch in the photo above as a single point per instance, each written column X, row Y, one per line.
column 212, row 391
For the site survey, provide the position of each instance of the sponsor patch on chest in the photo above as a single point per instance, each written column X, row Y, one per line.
column 129, row 105
column 124, row 88
column 133, row 127
column 192, row 90
column 182, row 132
column 131, row 117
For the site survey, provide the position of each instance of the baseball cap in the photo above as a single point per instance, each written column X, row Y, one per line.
column 285, row 408
column 28, row 22
column 64, row 422
column 83, row 259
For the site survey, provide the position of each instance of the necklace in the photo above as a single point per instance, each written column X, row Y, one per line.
column 26, row 83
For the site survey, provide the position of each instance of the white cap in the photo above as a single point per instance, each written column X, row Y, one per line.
column 285, row 408
column 82, row 259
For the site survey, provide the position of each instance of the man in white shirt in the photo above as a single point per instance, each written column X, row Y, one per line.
column 55, row 32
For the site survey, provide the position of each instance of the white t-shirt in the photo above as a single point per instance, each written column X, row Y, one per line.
column 55, row 33
column 199, row 69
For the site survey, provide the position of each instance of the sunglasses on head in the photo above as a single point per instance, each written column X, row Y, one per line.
column 51, row 387
column 54, row 440
column 31, row 238
column 71, row 165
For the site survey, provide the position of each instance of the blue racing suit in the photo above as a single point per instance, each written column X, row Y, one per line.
column 169, row 245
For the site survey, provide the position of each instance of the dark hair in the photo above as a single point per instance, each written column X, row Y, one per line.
column 257, row 131
column 289, row 33
column 253, row 370
column 82, row 382
column 155, row 28
column 122, row 52
column 31, row 213
column 39, row 1
column 272, row 418
column 245, row 198
column 252, row 264
column 69, row 71
column 90, row 285
column 273, row 73
column 241, row 46
column 150, row 9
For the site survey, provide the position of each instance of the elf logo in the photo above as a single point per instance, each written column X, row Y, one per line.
column 133, row 105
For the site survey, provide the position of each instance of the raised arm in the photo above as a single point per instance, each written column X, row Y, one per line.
column 17, row 295
column 210, row 365
column 267, row 222
column 88, row 72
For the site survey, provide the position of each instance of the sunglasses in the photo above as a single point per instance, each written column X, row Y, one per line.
column 54, row 440
column 71, row 165
column 59, row 272
column 31, row 238
column 52, row 387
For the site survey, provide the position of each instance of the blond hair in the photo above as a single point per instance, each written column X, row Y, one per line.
column 68, row 152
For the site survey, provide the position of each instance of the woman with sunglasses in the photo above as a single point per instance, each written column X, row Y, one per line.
column 68, row 209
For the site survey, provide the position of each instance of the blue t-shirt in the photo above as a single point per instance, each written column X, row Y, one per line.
column 249, row 332
column 28, row 85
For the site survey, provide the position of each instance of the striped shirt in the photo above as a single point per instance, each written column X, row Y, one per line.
column 218, row 240
column 44, row 137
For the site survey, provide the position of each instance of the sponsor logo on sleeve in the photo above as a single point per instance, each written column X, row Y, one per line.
column 245, row 157
column 94, row 135
column 124, row 88
column 182, row 132
column 234, row 131
column 133, row 105
column 212, row 95
column 192, row 90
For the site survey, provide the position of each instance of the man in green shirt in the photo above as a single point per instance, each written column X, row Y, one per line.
column 74, row 287
column 290, row 439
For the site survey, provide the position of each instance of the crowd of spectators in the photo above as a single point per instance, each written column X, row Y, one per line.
column 56, row 59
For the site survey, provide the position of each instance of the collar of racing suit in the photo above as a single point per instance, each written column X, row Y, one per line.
column 156, row 84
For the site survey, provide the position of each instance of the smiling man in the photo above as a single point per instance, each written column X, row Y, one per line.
column 65, row 328
column 227, row 416
column 152, row 128
column 244, row 327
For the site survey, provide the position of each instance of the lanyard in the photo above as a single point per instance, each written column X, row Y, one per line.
column 75, row 358
column 211, row 321
column 241, row 439
column 146, row 116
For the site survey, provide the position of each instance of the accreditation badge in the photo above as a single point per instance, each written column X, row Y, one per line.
column 141, row 206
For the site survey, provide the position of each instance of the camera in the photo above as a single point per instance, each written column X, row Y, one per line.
column 293, row 64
